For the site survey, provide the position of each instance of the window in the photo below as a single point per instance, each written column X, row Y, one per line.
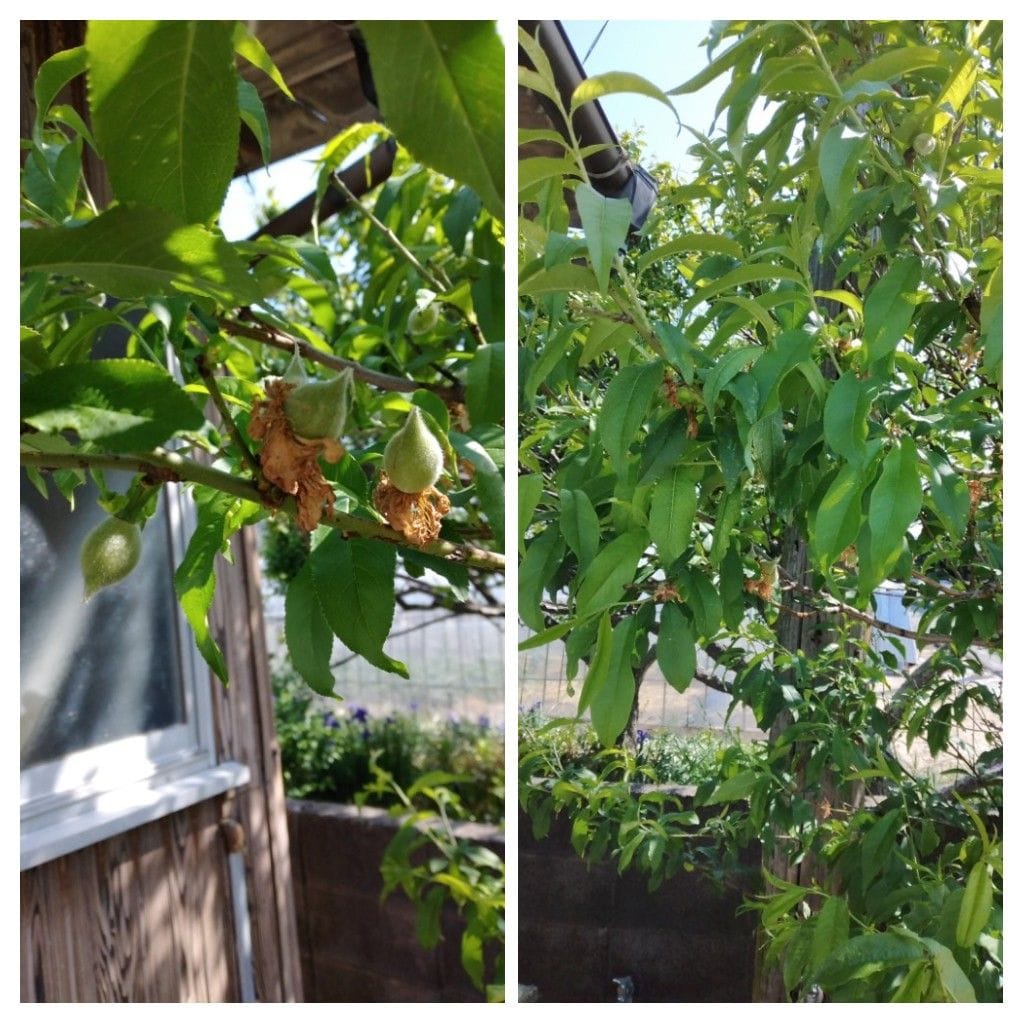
column 116, row 718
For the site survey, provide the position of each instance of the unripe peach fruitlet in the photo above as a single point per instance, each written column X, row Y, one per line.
column 320, row 408
column 413, row 458
column 109, row 553
column 924, row 144
column 423, row 321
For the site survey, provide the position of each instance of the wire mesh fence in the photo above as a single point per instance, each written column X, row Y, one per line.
column 455, row 662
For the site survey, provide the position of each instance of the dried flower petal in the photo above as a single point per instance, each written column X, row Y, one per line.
column 289, row 463
column 416, row 516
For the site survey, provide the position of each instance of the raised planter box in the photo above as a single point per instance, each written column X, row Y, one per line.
column 353, row 947
column 582, row 926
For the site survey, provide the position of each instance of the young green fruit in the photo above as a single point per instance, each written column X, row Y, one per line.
column 924, row 144
column 109, row 553
column 424, row 320
column 320, row 408
column 296, row 372
column 413, row 458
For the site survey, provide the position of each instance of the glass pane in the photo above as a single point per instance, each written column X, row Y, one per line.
column 98, row 671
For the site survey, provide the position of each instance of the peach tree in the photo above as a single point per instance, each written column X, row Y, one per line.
column 267, row 376
column 734, row 429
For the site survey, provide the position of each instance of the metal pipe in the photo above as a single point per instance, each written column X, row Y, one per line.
column 360, row 177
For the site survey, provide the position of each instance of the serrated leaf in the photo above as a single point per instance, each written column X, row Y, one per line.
column 580, row 525
column 612, row 703
column 441, row 87
column 355, row 584
column 53, row 74
column 248, row 46
column 605, row 225
column 128, row 404
column 889, row 307
column 895, row 64
column 252, row 112
column 673, row 506
column 604, row 580
column 308, row 633
column 837, row 520
column 976, row 907
column 831, row 930
column 730, row 364
column 597, row 671
column 135, row 252
column 531, row 486
column 739, row 787
column 894, row 504
column 877, row 844
column 846, row 416
column 195, row 579
column 866, row 951
column 624, row 408
column 566, row 277
column 164, row 108
column 840, row 156
column 949, row 494
column 485, row 385
column 542, row 558
column 612, row 82
column 677, row 651
column 691, row 243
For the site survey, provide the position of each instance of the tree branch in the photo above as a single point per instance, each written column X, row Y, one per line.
column 168, row 467
column 384, row 381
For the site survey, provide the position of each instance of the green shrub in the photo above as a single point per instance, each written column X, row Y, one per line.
column 326, row 754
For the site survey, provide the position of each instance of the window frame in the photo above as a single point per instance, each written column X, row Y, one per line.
column 93, row 794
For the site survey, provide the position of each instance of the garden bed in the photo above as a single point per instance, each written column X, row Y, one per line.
column 581, row 926
column 353, row 946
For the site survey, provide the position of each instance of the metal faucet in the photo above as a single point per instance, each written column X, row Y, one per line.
column 625, row 988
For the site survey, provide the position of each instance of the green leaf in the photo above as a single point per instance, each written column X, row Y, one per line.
column 54, row 73
column 831, row 930
column 950, row 984
column 355, row 582
column 531, row 487
column 728, row 517
column 846, row 417
column 624, row 408
column 612, row 82
column 134, row 252
column 896, row 63
column 441, row 87
column 307, row 632
column 248, row 46
column 605, row 225
column 865, row 953
column 894, row 504
column 566, row 277
column 611, row 704
column 164, row 105
column 428, row 917
column 597, row 672
column 489, row 483
column 725, row 369
column 877, row 844
column 725, row 60
column 580, row 525
column 976, row 907
column 485, row 385
column 543, row 557
column 837, row 520
column 691, row 243
column 195, row 579
column 677, row 651
column 742, row 275
column 673, row 505
column 739, row 787
column 250, row 107
column 840, row 157
column 540, row 168
column 889, row 307
column 949, row 494
column 609, row 573
column 128, row 404
column 704, row 602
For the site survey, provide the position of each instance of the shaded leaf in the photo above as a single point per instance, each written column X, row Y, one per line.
column 677, row 651
column 308, row 633
column 605, row 225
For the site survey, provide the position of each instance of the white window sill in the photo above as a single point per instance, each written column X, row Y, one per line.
column 125, row 809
